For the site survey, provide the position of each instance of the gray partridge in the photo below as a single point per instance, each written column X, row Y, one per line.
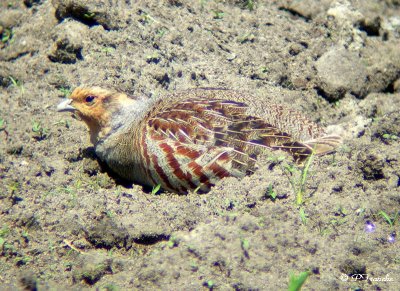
column 189, row 140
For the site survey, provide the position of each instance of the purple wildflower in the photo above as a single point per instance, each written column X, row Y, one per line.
column 392, row 237
column 369, row 226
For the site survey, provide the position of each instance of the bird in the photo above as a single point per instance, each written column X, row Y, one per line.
column 186, row 141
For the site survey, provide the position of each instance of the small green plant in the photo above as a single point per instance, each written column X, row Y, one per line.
column 17, row 84
column 153, row 58
column 89, row 15
column 4, row 231
column 264, row 69
column 193, row 266
column 303, row 216
column 39, row 131
column 302, row 185
column 391, row 221
column 108, row 50
column 25, row 235
column 341, row 211
column 218, row 14
column 19, row 261
column 397, row 260
column 245, row 244
column 155, row 189
column 160, row 32
column 210, row 284
column 14, row 187
column 196, row 190
column 2, row 126
column 271, row 193
column 338, row 221
column 390, row 136
column 249, row 4
column 247, row 37
column 65, row 91
column 6, row 35
column 296, row 282
column 173, row 242
column 111, row 287
column 146, row 18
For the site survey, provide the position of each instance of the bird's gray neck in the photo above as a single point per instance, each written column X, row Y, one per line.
column 125, row 117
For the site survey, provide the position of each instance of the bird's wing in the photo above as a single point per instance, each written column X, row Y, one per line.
column 193, row 143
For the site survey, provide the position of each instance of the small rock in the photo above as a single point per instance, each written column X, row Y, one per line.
column 106, row 234
column 371, row 165
column 10, row 18
column 28, row 281
column 396, row 85
column 341, row 71
column 308, row 8
column 30, row 3
column 92, row 12
column 68, row 44
column 92, row 266
column 391, row 27
column 343, row 12
column 19, row 47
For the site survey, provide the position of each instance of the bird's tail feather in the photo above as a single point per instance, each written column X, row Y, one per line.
column 302, row 150
column 324, row 145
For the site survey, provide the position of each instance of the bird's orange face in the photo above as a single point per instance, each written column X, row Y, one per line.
column 89, row 104
column 94, row 106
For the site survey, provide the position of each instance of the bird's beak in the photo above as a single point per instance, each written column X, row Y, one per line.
column 65, row 105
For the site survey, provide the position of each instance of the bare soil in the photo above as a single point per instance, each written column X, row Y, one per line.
column 66, row 223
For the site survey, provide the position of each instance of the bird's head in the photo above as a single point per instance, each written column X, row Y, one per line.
column 96, row 107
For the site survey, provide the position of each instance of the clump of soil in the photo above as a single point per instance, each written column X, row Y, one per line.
column 66, row 223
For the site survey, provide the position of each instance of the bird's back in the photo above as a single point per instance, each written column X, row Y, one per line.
column 191, row 139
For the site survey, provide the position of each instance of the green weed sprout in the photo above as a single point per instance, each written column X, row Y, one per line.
column 155, row 189
column 210, row 284
column 390, row 136
column 271, row 192
column 108, row 49
column 389, row 220
column 17, row 84
column 218, row 14
column 6, row 36
column 304, row 174
column 146, row 18
column 249, row 4
column 197, row 189
column 303, row 216
column 89, row 15
column 65, row 91
column 39, row 131
column 295, row 282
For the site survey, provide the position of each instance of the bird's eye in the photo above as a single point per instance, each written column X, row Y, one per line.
column 89, row 99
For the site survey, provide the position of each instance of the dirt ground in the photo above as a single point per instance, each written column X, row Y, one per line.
column 65, row 223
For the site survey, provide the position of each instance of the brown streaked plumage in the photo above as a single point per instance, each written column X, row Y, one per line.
column 191, row 139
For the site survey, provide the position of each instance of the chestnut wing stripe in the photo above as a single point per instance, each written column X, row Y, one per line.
column 161, row 174
column 147, row 160
column 197, row 170
column 182, row 178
